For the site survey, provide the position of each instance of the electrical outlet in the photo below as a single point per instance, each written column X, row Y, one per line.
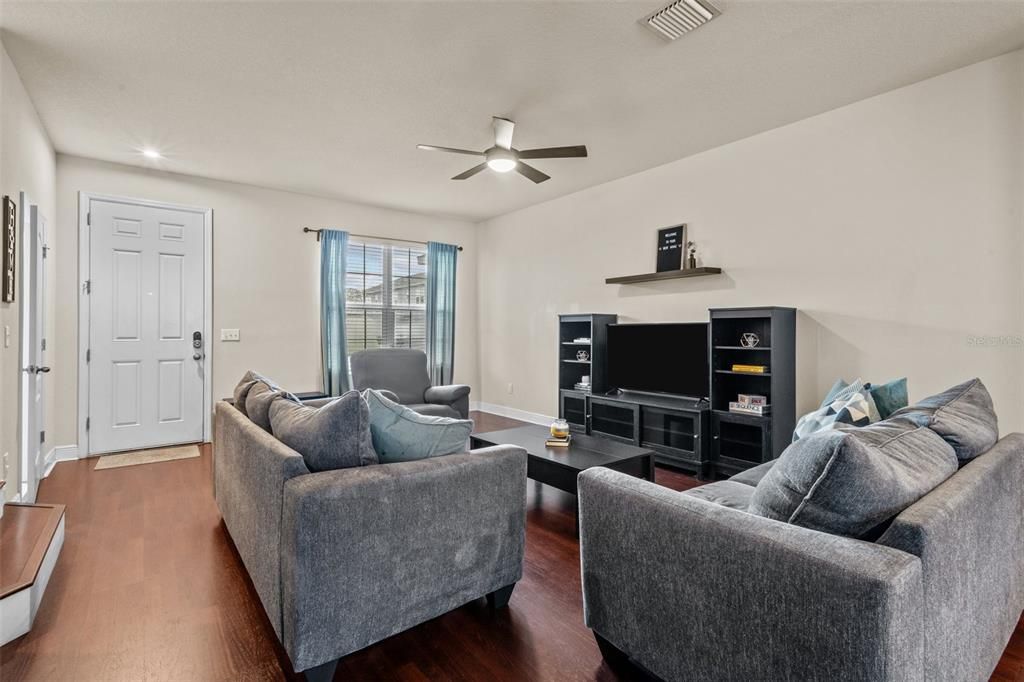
column 510, row 387
column 7, row 336
column 230, row 335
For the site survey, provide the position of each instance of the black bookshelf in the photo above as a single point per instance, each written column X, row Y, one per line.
column 572, row 403
column 740, row 441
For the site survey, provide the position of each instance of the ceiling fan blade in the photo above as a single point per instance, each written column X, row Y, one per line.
column 453, row 150
column 531, row 172
column 554, row 152
column 471, row 172
column 503, row 132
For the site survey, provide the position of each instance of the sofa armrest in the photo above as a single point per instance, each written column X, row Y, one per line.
column 445, row 395
column 694, row 590
column 371, row 551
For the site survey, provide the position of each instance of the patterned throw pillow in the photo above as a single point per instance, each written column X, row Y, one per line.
column 852, row 405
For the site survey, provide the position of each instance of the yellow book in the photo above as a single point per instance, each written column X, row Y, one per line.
column 751, row 369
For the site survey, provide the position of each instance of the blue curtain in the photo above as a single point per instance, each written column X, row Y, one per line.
column 441, row 311
column 333, row 257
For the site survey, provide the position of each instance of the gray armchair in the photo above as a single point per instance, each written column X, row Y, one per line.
column 404, row 373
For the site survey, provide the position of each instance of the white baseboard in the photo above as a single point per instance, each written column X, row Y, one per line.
column 65, row 453
column 48, row 462
column 513, row 413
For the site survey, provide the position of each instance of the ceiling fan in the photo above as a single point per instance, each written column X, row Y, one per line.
column 502, row 157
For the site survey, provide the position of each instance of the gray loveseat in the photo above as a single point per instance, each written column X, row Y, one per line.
column 403, row 373
column 692, row 589
column 342, row 559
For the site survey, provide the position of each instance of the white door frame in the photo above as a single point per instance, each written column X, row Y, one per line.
column 28, row 475
column 84, row 199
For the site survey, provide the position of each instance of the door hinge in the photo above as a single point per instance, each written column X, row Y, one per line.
column 88, row 354
column 42, row 345
column 42, row 437
column 46, row 250
column 87, row 286
column 87, row 420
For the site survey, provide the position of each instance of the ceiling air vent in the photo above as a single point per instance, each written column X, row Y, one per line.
column 682, row 16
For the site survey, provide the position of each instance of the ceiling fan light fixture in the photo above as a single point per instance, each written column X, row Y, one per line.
column 501, row 165
column 501, row 160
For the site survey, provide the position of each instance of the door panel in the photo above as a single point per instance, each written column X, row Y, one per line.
column 146, row 300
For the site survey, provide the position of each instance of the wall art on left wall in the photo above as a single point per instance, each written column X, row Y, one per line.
column 10, row 235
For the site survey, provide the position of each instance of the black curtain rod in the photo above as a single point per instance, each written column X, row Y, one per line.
column 370, row 236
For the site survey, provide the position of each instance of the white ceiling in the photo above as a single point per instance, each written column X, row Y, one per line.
column 332, row 98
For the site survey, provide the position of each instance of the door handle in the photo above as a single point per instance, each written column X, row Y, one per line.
column 42, row 370
column 34, row 369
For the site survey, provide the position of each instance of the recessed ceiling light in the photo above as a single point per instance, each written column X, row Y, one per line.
column 152, row 154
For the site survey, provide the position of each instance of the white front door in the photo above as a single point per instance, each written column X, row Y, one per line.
column 146, row 314
column 34, row 354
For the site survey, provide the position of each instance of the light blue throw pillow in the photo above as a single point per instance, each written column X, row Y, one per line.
column 401, row 434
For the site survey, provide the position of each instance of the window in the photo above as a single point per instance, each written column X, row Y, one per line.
column 385, row 297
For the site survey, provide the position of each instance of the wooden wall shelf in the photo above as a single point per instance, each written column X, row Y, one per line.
column 658, row 276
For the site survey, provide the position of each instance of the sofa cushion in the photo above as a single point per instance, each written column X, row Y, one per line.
column 851, row 405
column 724, row 493
column 848, row 480
column 432, row 409
column 753, row 476
column 401, row 434
column 245, row 385
column 963, row 415
column 258, row 400
column 335, row 436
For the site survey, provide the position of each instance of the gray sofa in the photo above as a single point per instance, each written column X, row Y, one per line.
column 698, row 589
column 403, row 372
column 342, row 559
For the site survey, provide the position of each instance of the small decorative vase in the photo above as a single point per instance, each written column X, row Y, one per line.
column 749, row 340
column 582, row 355
column 559, row 429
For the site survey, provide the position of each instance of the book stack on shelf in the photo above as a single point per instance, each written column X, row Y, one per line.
column 750, row 404
column 750, row 369
column 582, row 387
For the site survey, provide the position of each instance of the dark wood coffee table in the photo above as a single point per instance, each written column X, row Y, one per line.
column 559, row 466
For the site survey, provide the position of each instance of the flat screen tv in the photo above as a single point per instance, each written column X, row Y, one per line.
column 659, row 358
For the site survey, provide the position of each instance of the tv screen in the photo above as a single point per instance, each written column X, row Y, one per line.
column 659, row 358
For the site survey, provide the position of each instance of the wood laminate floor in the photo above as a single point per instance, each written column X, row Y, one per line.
column 149, row 587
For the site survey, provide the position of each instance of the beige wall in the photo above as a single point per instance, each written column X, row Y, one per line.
column 894, row 224
column 26, row 164
column 266, row 272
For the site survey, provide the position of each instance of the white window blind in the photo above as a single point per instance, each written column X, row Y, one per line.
column 385, row 296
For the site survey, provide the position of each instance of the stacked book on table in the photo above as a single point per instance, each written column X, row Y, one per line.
column 750, row 404
column 558, row 442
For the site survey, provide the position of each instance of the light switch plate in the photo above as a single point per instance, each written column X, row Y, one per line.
column 7, row 336
column 230, row 335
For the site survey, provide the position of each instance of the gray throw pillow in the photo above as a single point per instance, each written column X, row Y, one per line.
column 963, row 415
column 335, row 436
column 258, row 400
column 401, row 434
column 849, row 480
column 245, row 385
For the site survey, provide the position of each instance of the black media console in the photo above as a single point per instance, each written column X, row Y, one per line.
column 697, row 435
